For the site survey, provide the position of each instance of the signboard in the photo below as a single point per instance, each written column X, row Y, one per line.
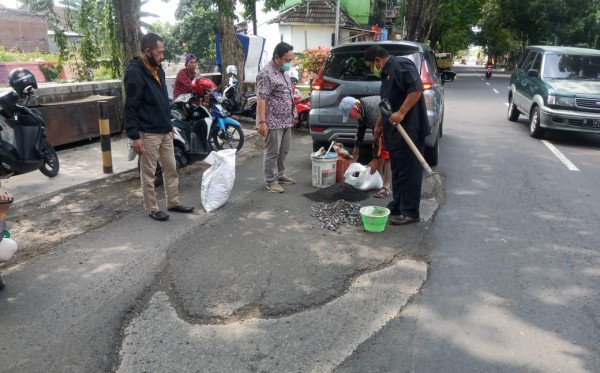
column 392, row 13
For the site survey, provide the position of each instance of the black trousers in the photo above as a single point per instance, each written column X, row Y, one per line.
column 407, row 179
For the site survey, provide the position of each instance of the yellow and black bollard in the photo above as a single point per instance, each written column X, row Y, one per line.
column 105, row 137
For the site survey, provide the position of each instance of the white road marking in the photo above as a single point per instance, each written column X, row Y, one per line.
column 561, row 156
column 495, row 90
column 488, row 83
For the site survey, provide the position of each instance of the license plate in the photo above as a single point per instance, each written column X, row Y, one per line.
column 595, row 123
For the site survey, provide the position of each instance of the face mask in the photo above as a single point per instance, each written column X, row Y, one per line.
column 152, row 60
column 286, row 66
column 376, row 71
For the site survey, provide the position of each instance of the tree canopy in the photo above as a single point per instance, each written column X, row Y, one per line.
column 109, row 30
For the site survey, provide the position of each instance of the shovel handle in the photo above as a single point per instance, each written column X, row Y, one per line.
column 414, row 148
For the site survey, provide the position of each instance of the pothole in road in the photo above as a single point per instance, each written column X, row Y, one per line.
column 318, row 339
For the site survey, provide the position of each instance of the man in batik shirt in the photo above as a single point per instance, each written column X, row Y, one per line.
column 274, row 114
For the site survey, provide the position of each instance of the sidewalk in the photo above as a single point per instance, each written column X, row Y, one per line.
column 80, row 165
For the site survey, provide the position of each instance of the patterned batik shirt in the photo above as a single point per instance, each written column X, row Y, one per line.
column 274, row 86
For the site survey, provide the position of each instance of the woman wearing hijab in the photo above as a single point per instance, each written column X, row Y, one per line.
column 183, row 81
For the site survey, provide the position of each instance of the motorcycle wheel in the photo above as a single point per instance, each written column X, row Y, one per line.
column 231, row 138
column 181, row 159
column 1, row 283
column 51, row 164
column 304, row 120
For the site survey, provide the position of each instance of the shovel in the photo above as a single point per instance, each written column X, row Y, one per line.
column 434, row 178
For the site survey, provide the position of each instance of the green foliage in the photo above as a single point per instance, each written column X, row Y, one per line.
column 196, row 29
column 51, row 72
column 313, row 59
column 103, row 73
column 14, row 55
column 167, row 32
column 95, row 22
column 510, row 25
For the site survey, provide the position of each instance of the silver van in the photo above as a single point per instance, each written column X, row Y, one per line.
column 345, row 73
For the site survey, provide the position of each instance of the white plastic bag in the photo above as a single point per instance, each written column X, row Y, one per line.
column 8, row 248
column 360, row 177
column 217, row 180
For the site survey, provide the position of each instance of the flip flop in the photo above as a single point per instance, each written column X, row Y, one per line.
column 383, row 193
column 6, row 199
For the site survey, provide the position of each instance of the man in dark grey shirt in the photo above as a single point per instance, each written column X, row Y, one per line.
column 366, row 112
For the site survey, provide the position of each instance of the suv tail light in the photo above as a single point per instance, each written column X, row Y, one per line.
column 425, row 76
column 320, row 84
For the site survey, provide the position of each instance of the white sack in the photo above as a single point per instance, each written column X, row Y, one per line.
column 360, row 177
column 217, row 180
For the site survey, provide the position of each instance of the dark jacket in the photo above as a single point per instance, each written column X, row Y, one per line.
column 146, row 102
column 399, row 78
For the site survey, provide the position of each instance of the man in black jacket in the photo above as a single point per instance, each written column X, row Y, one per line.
column 148, row 125
column 401, row 84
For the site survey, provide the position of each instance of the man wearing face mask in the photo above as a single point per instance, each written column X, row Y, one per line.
column 148, row 125
column 274, row 114
column 401, row 84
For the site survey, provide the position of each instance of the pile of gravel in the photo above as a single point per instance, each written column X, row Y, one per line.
column 332, row 215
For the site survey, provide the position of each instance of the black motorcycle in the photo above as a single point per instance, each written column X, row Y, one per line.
column 244, row 106
column 23, row 145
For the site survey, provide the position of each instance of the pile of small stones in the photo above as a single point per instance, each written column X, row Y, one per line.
column 332, row 215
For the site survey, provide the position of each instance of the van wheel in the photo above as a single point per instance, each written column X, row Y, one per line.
column 432, row 154
column 535, row 130
column 513, row 113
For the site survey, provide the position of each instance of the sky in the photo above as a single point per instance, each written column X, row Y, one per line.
column 166, row 11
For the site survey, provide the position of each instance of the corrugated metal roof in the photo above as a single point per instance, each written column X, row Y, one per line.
column 319, row 12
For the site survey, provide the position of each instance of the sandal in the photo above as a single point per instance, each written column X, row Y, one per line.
column 6, row 199
column 384, row 192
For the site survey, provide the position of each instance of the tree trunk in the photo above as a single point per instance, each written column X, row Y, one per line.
column 419, row 17
column 231, row 48
column 128, row 26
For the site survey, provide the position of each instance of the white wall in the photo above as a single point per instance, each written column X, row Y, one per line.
column 308, row 36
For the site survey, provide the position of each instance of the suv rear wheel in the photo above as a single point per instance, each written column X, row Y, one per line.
column 432, row 154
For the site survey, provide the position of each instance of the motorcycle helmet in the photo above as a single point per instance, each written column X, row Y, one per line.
column 231, row 69
column 293, row 73
column 202, row 85
column 20, row 79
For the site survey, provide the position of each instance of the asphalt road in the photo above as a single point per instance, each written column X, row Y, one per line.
column 514, row 275
column 503, row 277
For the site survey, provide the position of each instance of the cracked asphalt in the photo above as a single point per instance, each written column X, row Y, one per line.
column 254, row 286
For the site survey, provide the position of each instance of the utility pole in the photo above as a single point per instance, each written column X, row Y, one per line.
column 254, row 26
column 337, row 24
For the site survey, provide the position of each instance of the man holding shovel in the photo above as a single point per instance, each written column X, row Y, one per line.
column 401, row 85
